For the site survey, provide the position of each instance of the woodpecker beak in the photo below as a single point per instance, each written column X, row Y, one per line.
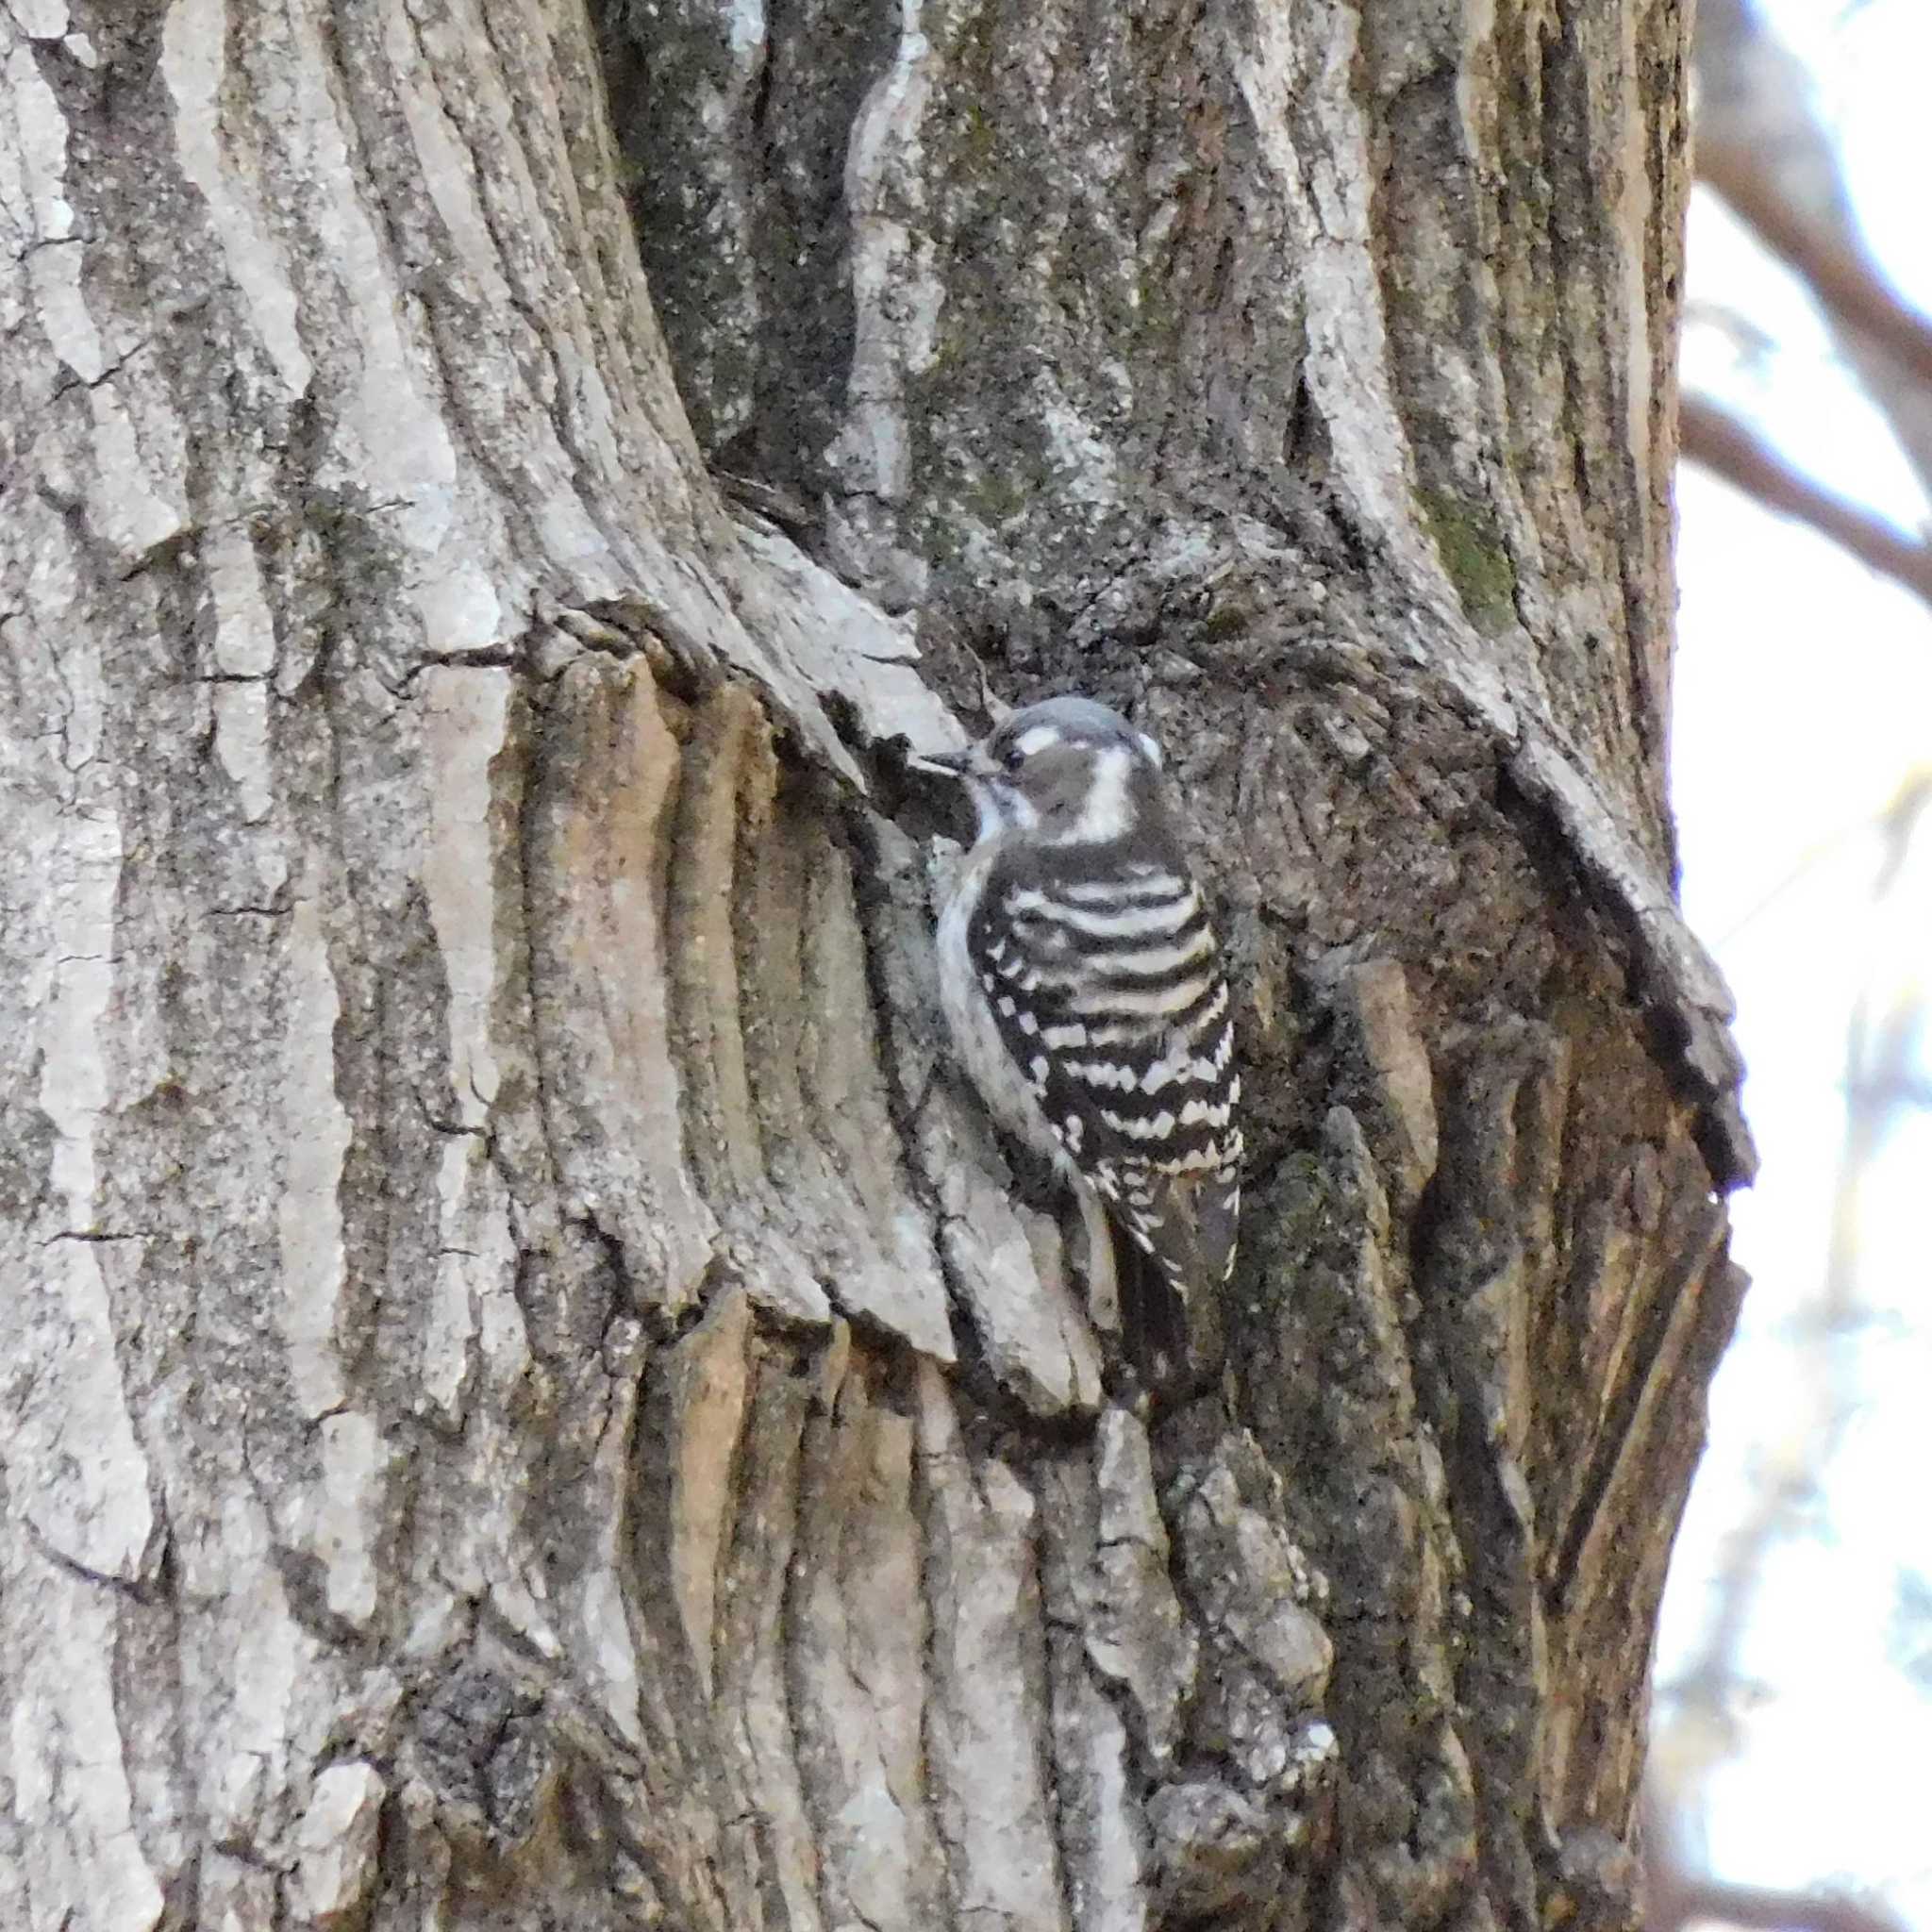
column 951, row 764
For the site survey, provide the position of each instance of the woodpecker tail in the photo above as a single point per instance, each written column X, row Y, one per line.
column 1177, row 1248
column 1154, row 1327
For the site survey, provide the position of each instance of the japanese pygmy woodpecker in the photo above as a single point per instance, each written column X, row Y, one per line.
column 1082, row 984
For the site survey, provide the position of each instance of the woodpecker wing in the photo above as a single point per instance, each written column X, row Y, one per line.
column 1104, row 978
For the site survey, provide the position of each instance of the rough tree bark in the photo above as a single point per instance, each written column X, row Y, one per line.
column 529, row 1398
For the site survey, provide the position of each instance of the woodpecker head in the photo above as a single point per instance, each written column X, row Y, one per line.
column 1068, row 770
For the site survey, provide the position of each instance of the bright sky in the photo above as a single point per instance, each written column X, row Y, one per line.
column 1803, row 702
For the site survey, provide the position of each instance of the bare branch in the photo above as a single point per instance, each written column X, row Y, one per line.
column 1843, row 276
column 1762, row 148
column 1679, row 1900
column 1715, row 439
column 1674, row 1896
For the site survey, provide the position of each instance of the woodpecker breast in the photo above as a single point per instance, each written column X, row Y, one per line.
column 1083, row 981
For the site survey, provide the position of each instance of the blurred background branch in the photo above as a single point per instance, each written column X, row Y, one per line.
column 1730, row 449
column 1760, row 146
column 1676, row 1896
column 1845, row 280
column 1789, row 1782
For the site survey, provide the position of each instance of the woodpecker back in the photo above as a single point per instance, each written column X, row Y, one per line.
column 1082, row 983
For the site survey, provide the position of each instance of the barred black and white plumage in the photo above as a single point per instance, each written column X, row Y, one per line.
column 1082, row 983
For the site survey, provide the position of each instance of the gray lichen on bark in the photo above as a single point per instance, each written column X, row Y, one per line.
column 532, row 1395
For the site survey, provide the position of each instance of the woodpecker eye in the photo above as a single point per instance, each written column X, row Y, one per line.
column 1014, row 758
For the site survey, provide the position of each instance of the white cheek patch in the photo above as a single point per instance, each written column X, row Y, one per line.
column 1016, row 810
column 1107, row 812
column 1036, row 740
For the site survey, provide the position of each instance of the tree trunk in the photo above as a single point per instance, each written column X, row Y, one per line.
column 530, row 1394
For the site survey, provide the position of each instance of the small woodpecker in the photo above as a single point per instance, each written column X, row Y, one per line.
column 1081, row 981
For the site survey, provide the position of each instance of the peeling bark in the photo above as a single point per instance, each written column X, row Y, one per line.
column 530, row 1394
